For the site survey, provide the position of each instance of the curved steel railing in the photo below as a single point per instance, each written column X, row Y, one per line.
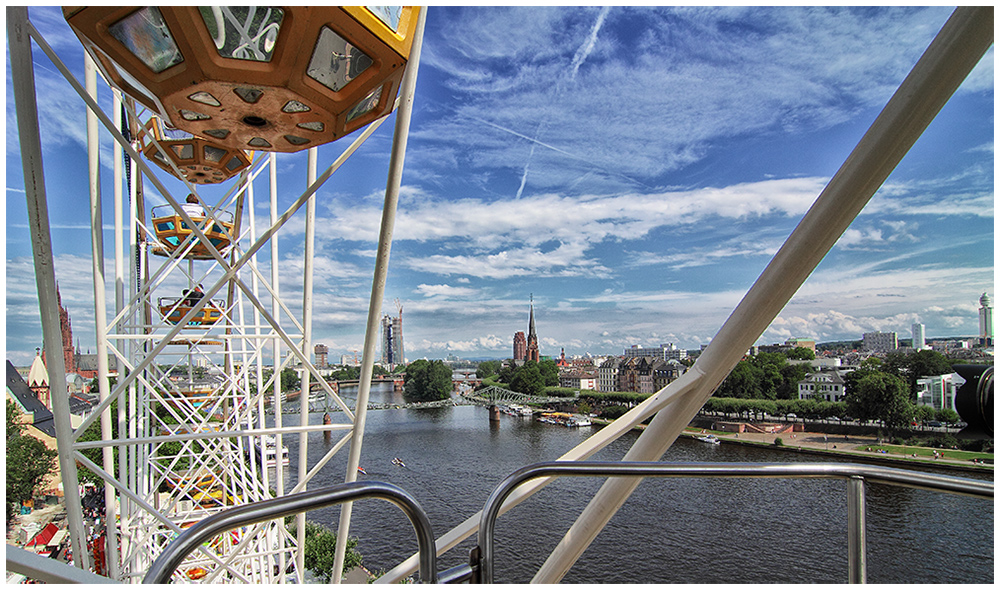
column 855, row 474
column 168, row 561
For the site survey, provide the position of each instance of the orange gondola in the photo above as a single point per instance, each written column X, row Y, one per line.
column 171, row 231
column 173, row 310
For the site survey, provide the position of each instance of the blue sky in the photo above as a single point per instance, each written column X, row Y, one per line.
column 632, row 169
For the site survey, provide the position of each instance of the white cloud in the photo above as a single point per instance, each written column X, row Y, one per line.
column 446, row 291
column 797, row 69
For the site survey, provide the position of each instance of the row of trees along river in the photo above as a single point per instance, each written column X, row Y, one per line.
column 882, row 390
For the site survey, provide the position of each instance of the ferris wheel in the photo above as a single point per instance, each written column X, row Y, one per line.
column 196, row 421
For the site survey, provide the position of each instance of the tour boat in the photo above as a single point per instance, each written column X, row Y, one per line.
column 268, row 457
column 362, row 471
column 710, row 439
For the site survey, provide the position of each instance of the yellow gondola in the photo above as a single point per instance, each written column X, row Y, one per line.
column 173, row 310
column 171, row 230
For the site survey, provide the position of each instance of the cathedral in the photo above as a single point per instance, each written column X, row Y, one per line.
column 526, row 348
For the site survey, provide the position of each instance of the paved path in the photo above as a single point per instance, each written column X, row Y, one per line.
column 832, row 443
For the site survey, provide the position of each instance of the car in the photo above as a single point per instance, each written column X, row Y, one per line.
column 933, row 424
column 792, row 416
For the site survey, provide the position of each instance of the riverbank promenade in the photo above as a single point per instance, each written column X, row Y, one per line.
column 858, row 447
column 861, row 448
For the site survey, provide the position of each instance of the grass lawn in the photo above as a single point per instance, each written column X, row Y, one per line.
column 928, row 452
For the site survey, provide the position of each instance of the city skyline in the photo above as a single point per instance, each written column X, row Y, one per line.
column 633, row 168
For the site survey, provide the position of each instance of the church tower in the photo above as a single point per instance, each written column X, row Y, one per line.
column 532, row 352
column 38, row 381
column 69, row 354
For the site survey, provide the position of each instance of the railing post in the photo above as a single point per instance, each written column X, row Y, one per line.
column 856, row 545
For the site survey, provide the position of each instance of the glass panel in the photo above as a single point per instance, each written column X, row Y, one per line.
column 205, row 98
column 184, row 151
column 146, row 35
column 234, row 164
column 312, row 125
column 367, row 104
column 193, row 116
column 296, row 140
column 259, row 142
column 243, row 32
column 390, row 15
column 250, row 95
column 174, row 133
column 214, row 154
column 294, row 106
column 335, row 62
column 217, row 133
column 130, row 80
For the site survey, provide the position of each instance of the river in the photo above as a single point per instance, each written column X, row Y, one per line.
column 669, row 531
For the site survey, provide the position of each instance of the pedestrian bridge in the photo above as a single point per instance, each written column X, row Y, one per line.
column 493, row 396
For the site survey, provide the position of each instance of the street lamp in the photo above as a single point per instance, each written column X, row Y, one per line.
column 279, row 79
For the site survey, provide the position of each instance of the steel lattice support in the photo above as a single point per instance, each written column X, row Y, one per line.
column 195, row 410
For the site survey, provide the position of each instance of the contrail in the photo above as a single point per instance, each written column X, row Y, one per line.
column 531, row 153
column 586, row 48
column 536, row 142
column 581, row 55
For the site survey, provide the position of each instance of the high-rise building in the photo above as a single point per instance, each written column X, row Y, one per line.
column 392, row 340
column 985, row 320
column 520, row 347
column 918, row 336
column 881, row 341
column 321, row 351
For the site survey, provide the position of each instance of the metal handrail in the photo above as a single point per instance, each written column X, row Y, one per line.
column 168, row 561
column 855, row 474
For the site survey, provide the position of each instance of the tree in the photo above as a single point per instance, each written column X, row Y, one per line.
column 290, row 380
column 790, row 377
column 549, row 371
column 742, row 382
column 923, row 413
column 851, row 379
column 528, row 379
column 320, row 552
column 488, row 369
column 427, row 381
column 28, row 461
column 801, row 353
column 769, row 365
column 507, row 371
column 881, row 396
column 947, row 415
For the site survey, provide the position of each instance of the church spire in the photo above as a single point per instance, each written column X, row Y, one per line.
column 531, row 317
column 532, row 349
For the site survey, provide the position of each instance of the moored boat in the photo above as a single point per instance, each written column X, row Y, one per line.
column 267, row 452
column 709, row 438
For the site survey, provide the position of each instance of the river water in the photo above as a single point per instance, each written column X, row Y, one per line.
column 669, row 531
